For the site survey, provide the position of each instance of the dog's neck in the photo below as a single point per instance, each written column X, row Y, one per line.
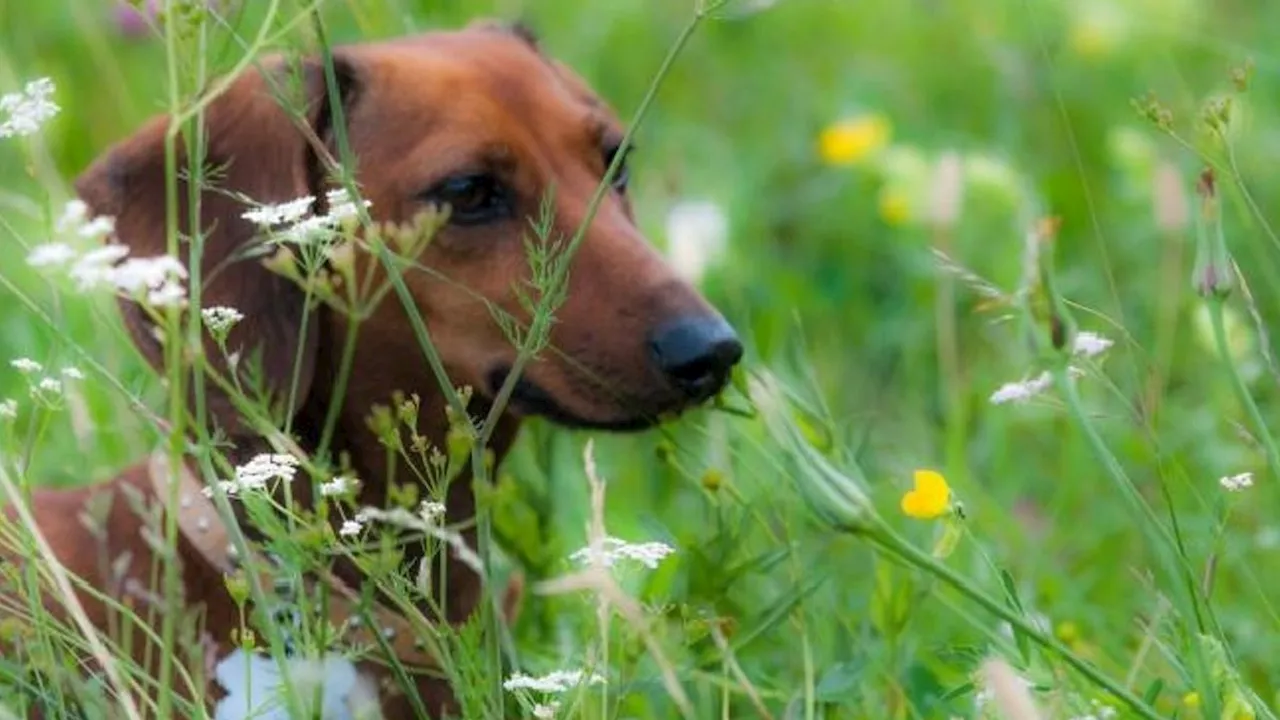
column 398, row 365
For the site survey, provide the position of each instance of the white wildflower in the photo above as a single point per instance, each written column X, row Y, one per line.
column 74, row 215
column 330, row 688
column 306, row 230
column 340, row 485
column 97, row 266
column 150, row 273
column 556, row 681
column 1236, row 483
column 350, row 528
column 341, row 207
column 1022, row 391
column 431, row 510
column 613, row 550
column 50, row 386
column 1089, row 344
column 98, row 228
column 27, row 110
column 8, row 409
column 75, row 220
column 288, row 212
column 26, row 366
column 50, row 254
column 255, row 474
column 1018, row 392
column 169, row 294
column 220, row 319
column 293, row 221
column 697, row 237
column 72, row 373
column 546, row 711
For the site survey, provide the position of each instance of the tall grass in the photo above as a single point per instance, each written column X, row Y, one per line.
column 1085, row 547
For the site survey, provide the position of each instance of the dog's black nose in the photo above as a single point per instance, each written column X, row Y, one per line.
column 696, row 354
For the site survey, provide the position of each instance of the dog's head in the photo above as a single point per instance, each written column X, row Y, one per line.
column 480, row 121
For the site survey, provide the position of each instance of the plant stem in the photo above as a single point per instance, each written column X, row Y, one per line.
column 1217, row 319
column 891, row 543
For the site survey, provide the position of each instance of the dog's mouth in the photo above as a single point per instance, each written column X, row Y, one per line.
column 529, row 398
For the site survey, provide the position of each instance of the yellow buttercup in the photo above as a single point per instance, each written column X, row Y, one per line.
column 929, row 499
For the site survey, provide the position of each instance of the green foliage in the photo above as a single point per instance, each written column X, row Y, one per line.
column 1097, row 553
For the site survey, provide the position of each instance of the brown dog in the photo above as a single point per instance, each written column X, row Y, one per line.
column 479, row 120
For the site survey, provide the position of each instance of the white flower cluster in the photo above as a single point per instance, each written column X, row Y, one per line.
column 340, row 485
column 1236, row 483
column 330, row 687
column 220, row 319
column 27, row 110
column 1086, row 345
column 293, row 222
column 546, row 711
column 255, row 474
column 556, row 681
column 426, row 520
column 154, row 280
column 1089, row 344
column 45, row 389
column 612, row 550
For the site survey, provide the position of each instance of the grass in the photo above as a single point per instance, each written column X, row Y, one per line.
column 1097, row 552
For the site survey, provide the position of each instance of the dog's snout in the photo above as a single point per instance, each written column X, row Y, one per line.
column 696, row 354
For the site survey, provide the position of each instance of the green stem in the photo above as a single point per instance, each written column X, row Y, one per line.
column 1216, row 317
column 887, row 540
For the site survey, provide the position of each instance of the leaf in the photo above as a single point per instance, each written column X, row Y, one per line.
column 1153, row 691
column 777, row 613
column 838, row 681
column 1019, row 638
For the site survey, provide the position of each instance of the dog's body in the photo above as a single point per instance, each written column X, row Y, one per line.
column 479, row 120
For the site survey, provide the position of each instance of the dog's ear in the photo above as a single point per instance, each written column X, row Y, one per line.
column 254, row 149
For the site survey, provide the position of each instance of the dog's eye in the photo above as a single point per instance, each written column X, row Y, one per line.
column 473, row 199
column 623, row 176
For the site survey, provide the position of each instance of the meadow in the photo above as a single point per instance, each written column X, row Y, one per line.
column 1006, row 273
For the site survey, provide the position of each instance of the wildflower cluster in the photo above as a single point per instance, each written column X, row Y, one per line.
column 553, row 683
column 426, row 520
column 156, row 281
column 27, row 110
column 47, row 389
column 1236, row 483
column 255, row 474
column 220, row 319
column 337, row 487
column 612, row 550
column 1085, row 346
column 556, row 681
column 293, row 221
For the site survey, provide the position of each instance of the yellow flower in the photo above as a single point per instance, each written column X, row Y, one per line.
column 852, row 141
column 929, row 499
column 1191, row 700
column 895, row 207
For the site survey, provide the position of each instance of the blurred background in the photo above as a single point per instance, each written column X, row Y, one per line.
column 795, row 165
